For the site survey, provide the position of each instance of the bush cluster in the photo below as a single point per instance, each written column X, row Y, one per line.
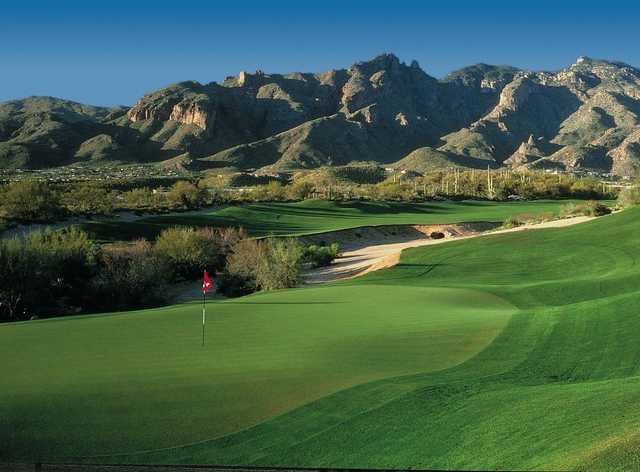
column 589, row 208
column 63, row 272
column 629, row 197
column 36, row 201
column 267, row 264
column 513, row 222
column 526, row 218
column 319, row 256
column 52, row 273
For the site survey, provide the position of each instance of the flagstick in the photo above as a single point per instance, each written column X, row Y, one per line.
column 204, row 313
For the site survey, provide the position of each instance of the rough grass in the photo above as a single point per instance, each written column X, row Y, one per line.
column 314, row 216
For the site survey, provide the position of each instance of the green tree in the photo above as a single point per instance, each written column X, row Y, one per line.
column 139, row 198
column 130, row 276
column 273, row 191
column 29, row 200
column 300, row 190
column 187, row 195
column 46, row 272
column 189, row 250
column 269, row 264
column 89, row 199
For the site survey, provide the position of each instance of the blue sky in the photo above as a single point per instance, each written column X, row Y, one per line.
column 112, row 52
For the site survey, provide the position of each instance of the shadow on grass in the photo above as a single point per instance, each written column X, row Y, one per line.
column 401, row 272
column 285, row 303
column 391, row 207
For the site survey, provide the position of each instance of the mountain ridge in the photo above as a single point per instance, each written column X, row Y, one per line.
column 583, row 117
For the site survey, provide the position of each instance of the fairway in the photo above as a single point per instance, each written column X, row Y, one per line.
column 509, row 351
column 314, row 216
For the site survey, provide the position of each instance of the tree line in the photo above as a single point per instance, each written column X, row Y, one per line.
column 39, row 201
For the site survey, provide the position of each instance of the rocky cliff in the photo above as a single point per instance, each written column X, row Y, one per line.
column 586, row 116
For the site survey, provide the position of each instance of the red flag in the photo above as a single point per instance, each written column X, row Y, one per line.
column 206, row 282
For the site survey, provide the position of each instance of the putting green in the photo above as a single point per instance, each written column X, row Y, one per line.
column 80, row 382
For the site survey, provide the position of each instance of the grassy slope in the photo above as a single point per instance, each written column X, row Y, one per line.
column 313, row 216
column 78, row 383
column 558, row 389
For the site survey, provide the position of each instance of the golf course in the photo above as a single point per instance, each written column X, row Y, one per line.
column 505, row 351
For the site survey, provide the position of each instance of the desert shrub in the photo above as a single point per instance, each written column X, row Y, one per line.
column 268, row 264
column 53, row 273
column 130, row 276
column 229, row 237
column 46, row 273
column 586, row 188
column 512, row 222
column 279, row 265
column 300, row 190
column 543, row 217
column 319, row 256
column 240, row 275
column 629, row 196
column 139, row 198
column 389, row 190
column 526, row 218
column 184, row 194
column 589, row 208
column 15, row 263
column 189, row 251
column 250, row 180
column 88, row 199
column 367, row 174
column 29, row 200
column 273, row 191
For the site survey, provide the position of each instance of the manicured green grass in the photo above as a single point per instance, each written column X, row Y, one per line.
column 511, row 351
column 146, row 372
column 314, row 216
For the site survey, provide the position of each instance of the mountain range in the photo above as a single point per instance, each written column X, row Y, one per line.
column 584, row 117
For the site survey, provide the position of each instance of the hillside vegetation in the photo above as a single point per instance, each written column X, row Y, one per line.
column 512, row 351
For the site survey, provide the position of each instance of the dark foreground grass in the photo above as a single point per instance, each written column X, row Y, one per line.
column 314, row 216
column 557, row 388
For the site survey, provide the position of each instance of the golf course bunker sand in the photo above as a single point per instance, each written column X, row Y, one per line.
column 365, row 249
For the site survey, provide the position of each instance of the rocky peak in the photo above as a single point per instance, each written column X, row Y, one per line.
column 515, row 94
column 529, row 151
column 609, row 71
column 387, row 62
column 485, row 77
column 583, row 60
